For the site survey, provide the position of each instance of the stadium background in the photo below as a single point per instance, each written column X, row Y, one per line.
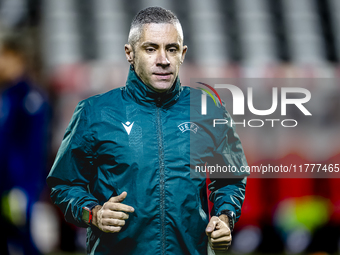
column 77, row 51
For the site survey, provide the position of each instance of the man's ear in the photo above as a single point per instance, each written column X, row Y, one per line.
column 184, row 51
column 129, row 53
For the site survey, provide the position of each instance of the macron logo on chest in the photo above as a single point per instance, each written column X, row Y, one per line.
column 128, row 126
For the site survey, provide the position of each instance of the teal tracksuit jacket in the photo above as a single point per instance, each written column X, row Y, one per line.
column 148, row 144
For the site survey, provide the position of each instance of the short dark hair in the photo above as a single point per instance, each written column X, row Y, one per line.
column 150, row 15
column 14, row 43
column 154, row 15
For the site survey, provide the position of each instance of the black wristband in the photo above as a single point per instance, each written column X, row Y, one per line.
column 231, row 217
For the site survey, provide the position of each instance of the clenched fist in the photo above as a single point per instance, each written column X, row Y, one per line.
column 219, row 234
column 110, row 217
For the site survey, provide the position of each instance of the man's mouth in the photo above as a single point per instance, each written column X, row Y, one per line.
column 163, row 76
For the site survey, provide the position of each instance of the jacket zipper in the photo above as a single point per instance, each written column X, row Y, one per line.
column 161, row 179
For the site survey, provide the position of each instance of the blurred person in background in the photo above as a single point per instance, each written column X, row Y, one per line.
column 124, row 167
column 23, row 133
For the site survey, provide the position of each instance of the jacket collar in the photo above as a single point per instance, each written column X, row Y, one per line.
column 142, row 94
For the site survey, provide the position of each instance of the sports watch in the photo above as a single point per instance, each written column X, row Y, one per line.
column 231, row 217
column 87, row 213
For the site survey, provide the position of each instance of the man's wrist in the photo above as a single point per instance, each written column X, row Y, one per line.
column 225, row 219
column 87, row 213
column 95, row 213
column 230, row 218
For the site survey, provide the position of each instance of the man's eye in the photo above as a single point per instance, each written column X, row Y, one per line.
column 172, row 50
column 150, row 49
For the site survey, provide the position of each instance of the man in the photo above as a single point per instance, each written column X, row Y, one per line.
column 125, row 163
column 23, row 135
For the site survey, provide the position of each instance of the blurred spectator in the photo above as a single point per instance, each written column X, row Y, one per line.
column 23, row 132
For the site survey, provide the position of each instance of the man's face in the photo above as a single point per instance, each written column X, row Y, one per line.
column 157, row 55
column 11, row 66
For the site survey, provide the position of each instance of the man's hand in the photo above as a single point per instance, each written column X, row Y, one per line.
column 218, row 232
column 111, row 216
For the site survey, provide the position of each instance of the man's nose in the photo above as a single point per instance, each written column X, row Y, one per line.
column 162, row 58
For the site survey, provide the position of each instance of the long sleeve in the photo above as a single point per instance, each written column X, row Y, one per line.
column 70, row 176
column 228, row 190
